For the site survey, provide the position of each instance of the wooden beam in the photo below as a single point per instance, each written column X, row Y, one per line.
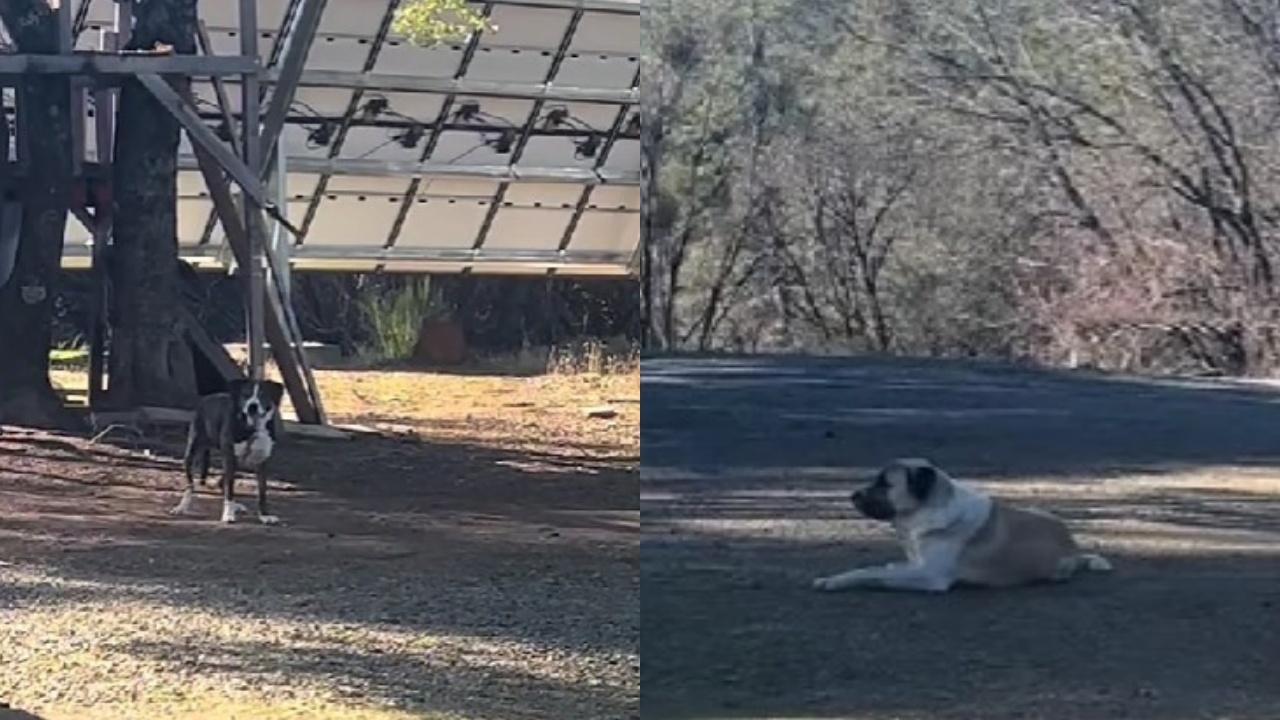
column 178, row 416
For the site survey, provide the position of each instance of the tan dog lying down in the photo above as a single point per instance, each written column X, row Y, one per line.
column 954, row 534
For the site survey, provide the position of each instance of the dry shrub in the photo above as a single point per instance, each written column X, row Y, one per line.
column 589, row 356
column 593, row 357
column 1155, row 305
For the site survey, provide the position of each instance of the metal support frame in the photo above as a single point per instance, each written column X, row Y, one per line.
column 227, row 120
column 250, row 202
column 277, row 46
column 66, row 28
column 420, row 173
column 340, row 139
column 407, row 168
column 292, row 50
column 82, row 18
column 104, row 116
column 584, row 200
column 517, row 151
column 462, row 254
column 281, row 242
column 262, row 122
column 437, row 131
column 201, row 135
column 219, row 85
column 269, row 315
column 615, row 7
column 302, row 20
column 103, row 67
column 325, row 258
column 459, row 85
column 295, row 375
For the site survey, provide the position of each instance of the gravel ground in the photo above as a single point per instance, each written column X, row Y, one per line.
column 412, row 580
column 746, row 469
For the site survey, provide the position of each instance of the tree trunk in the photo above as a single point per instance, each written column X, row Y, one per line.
column 27, row 297
column 651, row 339
column 150, row 361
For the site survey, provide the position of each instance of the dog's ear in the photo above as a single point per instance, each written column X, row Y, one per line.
column 921, row 480
column 273, row 391
column 237, row 388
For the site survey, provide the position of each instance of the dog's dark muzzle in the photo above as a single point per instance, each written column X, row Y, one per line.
column 874, row 505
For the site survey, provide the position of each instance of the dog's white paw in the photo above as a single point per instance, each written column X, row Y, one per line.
column 230, row 510
column 823, row 584
column 269, row 519
column 183, row 506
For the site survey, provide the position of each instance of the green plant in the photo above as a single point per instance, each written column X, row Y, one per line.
column 72, row 355
column 431, row 22
column 394, row 318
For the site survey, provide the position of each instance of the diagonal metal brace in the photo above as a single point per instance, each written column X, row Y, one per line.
column 208, row 141
column 290, row 360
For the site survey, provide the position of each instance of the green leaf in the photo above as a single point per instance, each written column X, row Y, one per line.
column 432, row 22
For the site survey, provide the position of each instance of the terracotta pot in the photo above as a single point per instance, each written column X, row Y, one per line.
column 440, row 343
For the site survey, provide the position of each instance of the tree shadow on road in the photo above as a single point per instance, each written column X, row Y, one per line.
column 733, row 631
column 747, row 467
column 979, row 419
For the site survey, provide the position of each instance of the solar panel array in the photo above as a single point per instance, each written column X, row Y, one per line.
column 517, row 152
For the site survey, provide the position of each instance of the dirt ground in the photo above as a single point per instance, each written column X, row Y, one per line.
column 473, row 558
column 746, row 472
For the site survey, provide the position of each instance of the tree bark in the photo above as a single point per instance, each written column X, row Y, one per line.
column 650, row 338
column 27, row 297
column 150, row 360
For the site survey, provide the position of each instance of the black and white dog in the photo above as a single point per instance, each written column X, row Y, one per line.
column 240, row 425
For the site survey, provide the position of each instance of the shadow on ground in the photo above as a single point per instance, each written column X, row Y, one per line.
column 746, row 470
column 532, row 553
column 733, row 631
column 981, row 420
column 8, row 713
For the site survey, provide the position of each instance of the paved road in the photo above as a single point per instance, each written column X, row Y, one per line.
column 746, row 466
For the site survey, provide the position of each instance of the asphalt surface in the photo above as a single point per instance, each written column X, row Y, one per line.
column 746, row 464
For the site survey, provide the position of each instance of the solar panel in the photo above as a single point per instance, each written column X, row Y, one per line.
column 516, row 152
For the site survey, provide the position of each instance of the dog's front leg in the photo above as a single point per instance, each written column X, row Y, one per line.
column 264, row 514
column 897, row 576
column 229, row 505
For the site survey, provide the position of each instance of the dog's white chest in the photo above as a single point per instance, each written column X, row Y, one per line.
column 253, row 452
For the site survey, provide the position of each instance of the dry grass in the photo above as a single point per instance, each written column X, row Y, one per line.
column 474, row 560
column 545, row 412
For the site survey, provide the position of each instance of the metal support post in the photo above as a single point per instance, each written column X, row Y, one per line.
column 250, row 134
column 281, row 240
column 66, row 22
column 104, row 115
